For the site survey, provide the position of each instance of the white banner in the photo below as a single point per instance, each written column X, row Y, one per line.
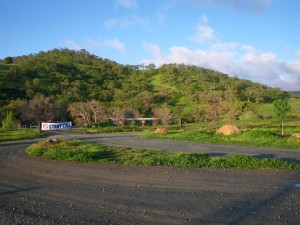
column 56, row 126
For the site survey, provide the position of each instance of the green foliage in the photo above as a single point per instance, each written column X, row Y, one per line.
column 9, row 121
column 82, row 151
column 281, row 107
column 7, row 60
column 267, row 109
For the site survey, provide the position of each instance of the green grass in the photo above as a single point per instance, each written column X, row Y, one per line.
column 254, row 137
column 9, row 81
column 266, row 109
column 295, row 106
column 83, row 152
column 4, row 69
column 20, row 134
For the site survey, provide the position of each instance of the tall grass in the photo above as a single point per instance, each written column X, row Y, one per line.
column 82, row 151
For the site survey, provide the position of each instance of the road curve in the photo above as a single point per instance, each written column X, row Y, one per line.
column 41, row 191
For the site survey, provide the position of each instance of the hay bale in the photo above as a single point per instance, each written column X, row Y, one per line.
column 296, row 136
column 161, row 131
column 51, row 141
column 228, row 130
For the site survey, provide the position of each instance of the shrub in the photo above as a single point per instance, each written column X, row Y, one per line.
column 10, row 121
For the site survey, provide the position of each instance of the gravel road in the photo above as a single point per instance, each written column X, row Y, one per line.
column 41, row 191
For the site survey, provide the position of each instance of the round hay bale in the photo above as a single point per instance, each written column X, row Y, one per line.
column 228, row 130
column 296, row 136
column 161, row 131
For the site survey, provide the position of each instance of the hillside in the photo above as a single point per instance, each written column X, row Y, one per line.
column 71, row 76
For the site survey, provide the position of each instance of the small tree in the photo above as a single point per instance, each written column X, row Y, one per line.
column 164, row 114
column 213, row 107
column 8, row 60
column 120, row 115
column 231, row 106
column 281, row 107
column 10, row 121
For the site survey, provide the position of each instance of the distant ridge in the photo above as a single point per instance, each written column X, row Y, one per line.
column 296, row 92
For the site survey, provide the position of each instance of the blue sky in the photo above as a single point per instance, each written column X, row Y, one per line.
column 256, row 40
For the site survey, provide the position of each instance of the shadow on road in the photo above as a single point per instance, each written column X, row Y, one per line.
column 273, row 156
column 18, row 191
column 244, row 211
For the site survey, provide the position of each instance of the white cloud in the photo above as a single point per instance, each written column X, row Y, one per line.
column 93, row 45
column 111, row 43
column 155, row 51
column 298, row 55
column 224, row 46
column 204, row 33
column 250, row 6
column 208, row 59
column 72, row 44
column 126, row 22
column 231, row 58
column 129, row 4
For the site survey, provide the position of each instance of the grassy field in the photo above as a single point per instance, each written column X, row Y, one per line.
column 9, row 81
column 20, row 134
column 4, row 69
column 82, row 151
column 253, row 137
column 266, row 109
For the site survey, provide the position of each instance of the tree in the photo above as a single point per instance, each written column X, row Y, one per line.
column 198, row 114
column 179, row 109
column 151, row 66
column 80, row 113
column 249, row 112
column 97, row 109
column 121, row 114
column 42, row 108
column 10, row 121
column 232, row 107
column 281, row 107
column 8, row 60
column 212, row 101
column 164, row 114
column 18, row 106
column 87, row 112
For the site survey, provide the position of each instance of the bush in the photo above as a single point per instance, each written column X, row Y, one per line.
column 9, row 121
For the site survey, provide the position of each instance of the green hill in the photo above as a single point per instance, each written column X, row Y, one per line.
column 72, row 76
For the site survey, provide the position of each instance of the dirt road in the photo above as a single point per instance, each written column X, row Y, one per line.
column 40, row 191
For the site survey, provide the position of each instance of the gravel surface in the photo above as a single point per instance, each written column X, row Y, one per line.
column 41, row 191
